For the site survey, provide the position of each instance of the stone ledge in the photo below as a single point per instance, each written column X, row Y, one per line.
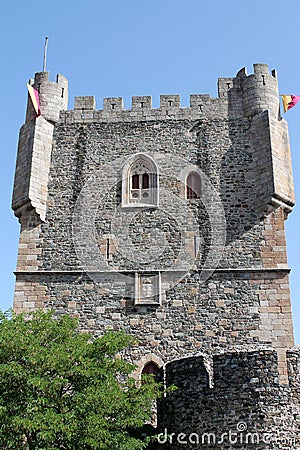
column 235, row 270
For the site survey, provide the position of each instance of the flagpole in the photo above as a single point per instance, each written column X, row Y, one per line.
column 45, row 54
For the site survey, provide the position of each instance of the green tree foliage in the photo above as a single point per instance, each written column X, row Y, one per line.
column 63, row 389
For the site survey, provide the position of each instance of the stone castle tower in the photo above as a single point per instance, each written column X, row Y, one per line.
column 169, row 223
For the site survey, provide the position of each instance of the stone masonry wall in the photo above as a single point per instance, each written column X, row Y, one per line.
column 229, row 312
column 245, row 301
column 242, row 405
column 192, row 315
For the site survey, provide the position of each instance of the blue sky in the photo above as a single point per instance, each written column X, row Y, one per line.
column 125, row 48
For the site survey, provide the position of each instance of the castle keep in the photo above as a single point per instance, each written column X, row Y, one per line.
column 169, row 223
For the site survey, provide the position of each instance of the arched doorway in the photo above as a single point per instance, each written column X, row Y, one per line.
column 151, row 369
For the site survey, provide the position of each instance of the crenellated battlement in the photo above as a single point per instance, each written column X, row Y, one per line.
column 236, row 368
column 243, row 396
column 141, row 109
column 243, row 95
column 53, row 96
column 253, row 97
column 260, row 90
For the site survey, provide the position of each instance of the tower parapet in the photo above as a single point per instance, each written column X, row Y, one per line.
column 259, row 90
column 53, row 96
column 241, row 402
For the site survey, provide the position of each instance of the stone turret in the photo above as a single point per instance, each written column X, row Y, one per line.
column 53, row 96
column 35, row 143
column 259, row 90
column 269, row 133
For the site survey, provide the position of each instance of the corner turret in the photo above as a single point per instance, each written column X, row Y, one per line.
column 53, row 96
column 35, row 144
column 256, row 97
column 259, row 90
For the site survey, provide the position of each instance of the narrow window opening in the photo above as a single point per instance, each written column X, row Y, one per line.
column 145, row 181
column 170, row 103
column 107, row 249
column 193, row 186
column 113, row 106
column 200, row 108
column 264, row 80
column 62, row 92
column 228, row 85
column 142, row 104
column 135, row 181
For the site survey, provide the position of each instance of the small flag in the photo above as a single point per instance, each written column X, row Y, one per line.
column 289, row 101
column 34, row 95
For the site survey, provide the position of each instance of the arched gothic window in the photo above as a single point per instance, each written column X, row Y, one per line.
column 193, row 186
column 140, row 182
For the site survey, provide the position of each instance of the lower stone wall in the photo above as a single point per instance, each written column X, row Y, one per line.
column 247, row 406
column 232, row 310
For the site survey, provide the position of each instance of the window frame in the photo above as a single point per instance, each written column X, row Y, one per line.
column 137, row 189
column 155, row 299
column 194, row 187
